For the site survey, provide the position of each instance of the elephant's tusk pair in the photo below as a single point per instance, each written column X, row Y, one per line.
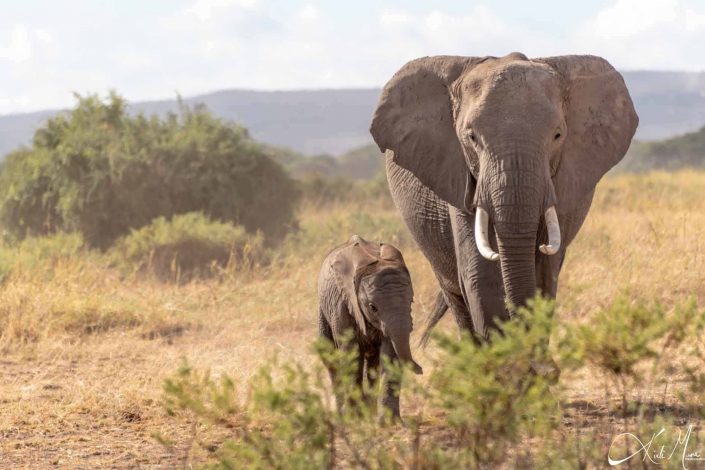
column 481, row 238
column 482, row 230
column 554, row 232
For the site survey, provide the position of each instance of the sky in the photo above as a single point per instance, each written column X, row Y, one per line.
column 154, row 49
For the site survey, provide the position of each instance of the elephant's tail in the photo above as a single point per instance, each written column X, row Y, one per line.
column 439, row 309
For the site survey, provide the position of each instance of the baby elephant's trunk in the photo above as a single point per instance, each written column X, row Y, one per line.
column 399, row 331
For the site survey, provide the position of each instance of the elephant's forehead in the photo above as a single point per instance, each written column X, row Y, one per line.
column 502, row 76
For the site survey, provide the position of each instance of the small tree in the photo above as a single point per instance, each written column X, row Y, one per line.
column 101, row 171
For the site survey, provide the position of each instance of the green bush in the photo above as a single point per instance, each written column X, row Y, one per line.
column 187, row 246
column 482, row 407
column 100, row 171
column 486, row 394
column 489, row 392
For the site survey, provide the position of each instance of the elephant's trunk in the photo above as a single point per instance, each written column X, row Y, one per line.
column 514, row 193
column 517, row 253
column 399, row 331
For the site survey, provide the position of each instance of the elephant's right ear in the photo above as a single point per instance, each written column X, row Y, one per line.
column 349, row 267
column 414, row 119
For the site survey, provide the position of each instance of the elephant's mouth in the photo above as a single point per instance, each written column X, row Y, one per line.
column 515, row 195
column 482, row 234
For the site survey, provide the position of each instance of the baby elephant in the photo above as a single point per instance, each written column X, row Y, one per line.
column 365, row 287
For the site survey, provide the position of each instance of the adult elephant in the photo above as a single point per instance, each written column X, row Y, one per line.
column 493, row 163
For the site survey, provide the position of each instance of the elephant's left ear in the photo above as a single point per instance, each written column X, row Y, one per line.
column 601, row 122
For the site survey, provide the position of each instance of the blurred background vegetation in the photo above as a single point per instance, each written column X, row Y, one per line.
column 175, row 196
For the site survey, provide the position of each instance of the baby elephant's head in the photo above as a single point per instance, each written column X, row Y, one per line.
column 382, row 293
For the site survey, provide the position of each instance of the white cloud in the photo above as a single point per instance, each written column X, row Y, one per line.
column 19, row 48
column 645, row 34
column 630, row 17
column 206, row 10
column 391, row 18
column 478, row 31
column 214, row 44
column 309, row 13
column 694, row 20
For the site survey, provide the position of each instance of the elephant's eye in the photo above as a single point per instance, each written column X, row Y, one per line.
column 471, row 135
column 557, row 136
column 373, row 308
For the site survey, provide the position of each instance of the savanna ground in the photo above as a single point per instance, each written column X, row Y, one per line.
column 86, row 347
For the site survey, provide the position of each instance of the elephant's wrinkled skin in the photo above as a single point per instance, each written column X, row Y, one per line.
column 511, row 138
column 365, row 288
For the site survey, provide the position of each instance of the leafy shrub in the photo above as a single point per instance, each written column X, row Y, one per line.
column 189, row 245
column 621, row 336
column 487, row 394
column 100, row 171
column 482, row 407
column 631, row 340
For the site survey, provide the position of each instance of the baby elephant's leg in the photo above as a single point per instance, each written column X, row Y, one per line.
column 391, row 379
column 342, row 396
column 326, row 333
column 372, row 372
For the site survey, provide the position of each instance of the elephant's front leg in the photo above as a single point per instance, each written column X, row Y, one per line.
column 548, row 268
column 480, row 279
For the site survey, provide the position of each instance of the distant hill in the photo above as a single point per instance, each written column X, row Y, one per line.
column 684, row 151
column 668, row 103
column 310, row 122
column 334, row 121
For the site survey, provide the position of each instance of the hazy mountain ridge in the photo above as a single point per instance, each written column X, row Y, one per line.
column 335, row 121
column 683, row 151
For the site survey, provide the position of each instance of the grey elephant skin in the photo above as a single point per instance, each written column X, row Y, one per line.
column 512, row 145
column 365, row 288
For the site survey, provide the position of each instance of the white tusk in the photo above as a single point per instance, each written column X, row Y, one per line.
column 554, row 232
column 481, row 238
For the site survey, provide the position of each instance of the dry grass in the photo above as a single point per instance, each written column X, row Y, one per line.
column 86, row 347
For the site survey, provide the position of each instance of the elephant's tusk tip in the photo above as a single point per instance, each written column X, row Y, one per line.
column 489, row 255
column 548, row 249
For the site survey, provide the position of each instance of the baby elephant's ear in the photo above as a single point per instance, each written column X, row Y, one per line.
column 348, row 267
column 390, row 253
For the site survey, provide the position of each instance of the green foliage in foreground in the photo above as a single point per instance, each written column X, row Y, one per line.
column 100, row 171
column 482, row 407
column 188, row 245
